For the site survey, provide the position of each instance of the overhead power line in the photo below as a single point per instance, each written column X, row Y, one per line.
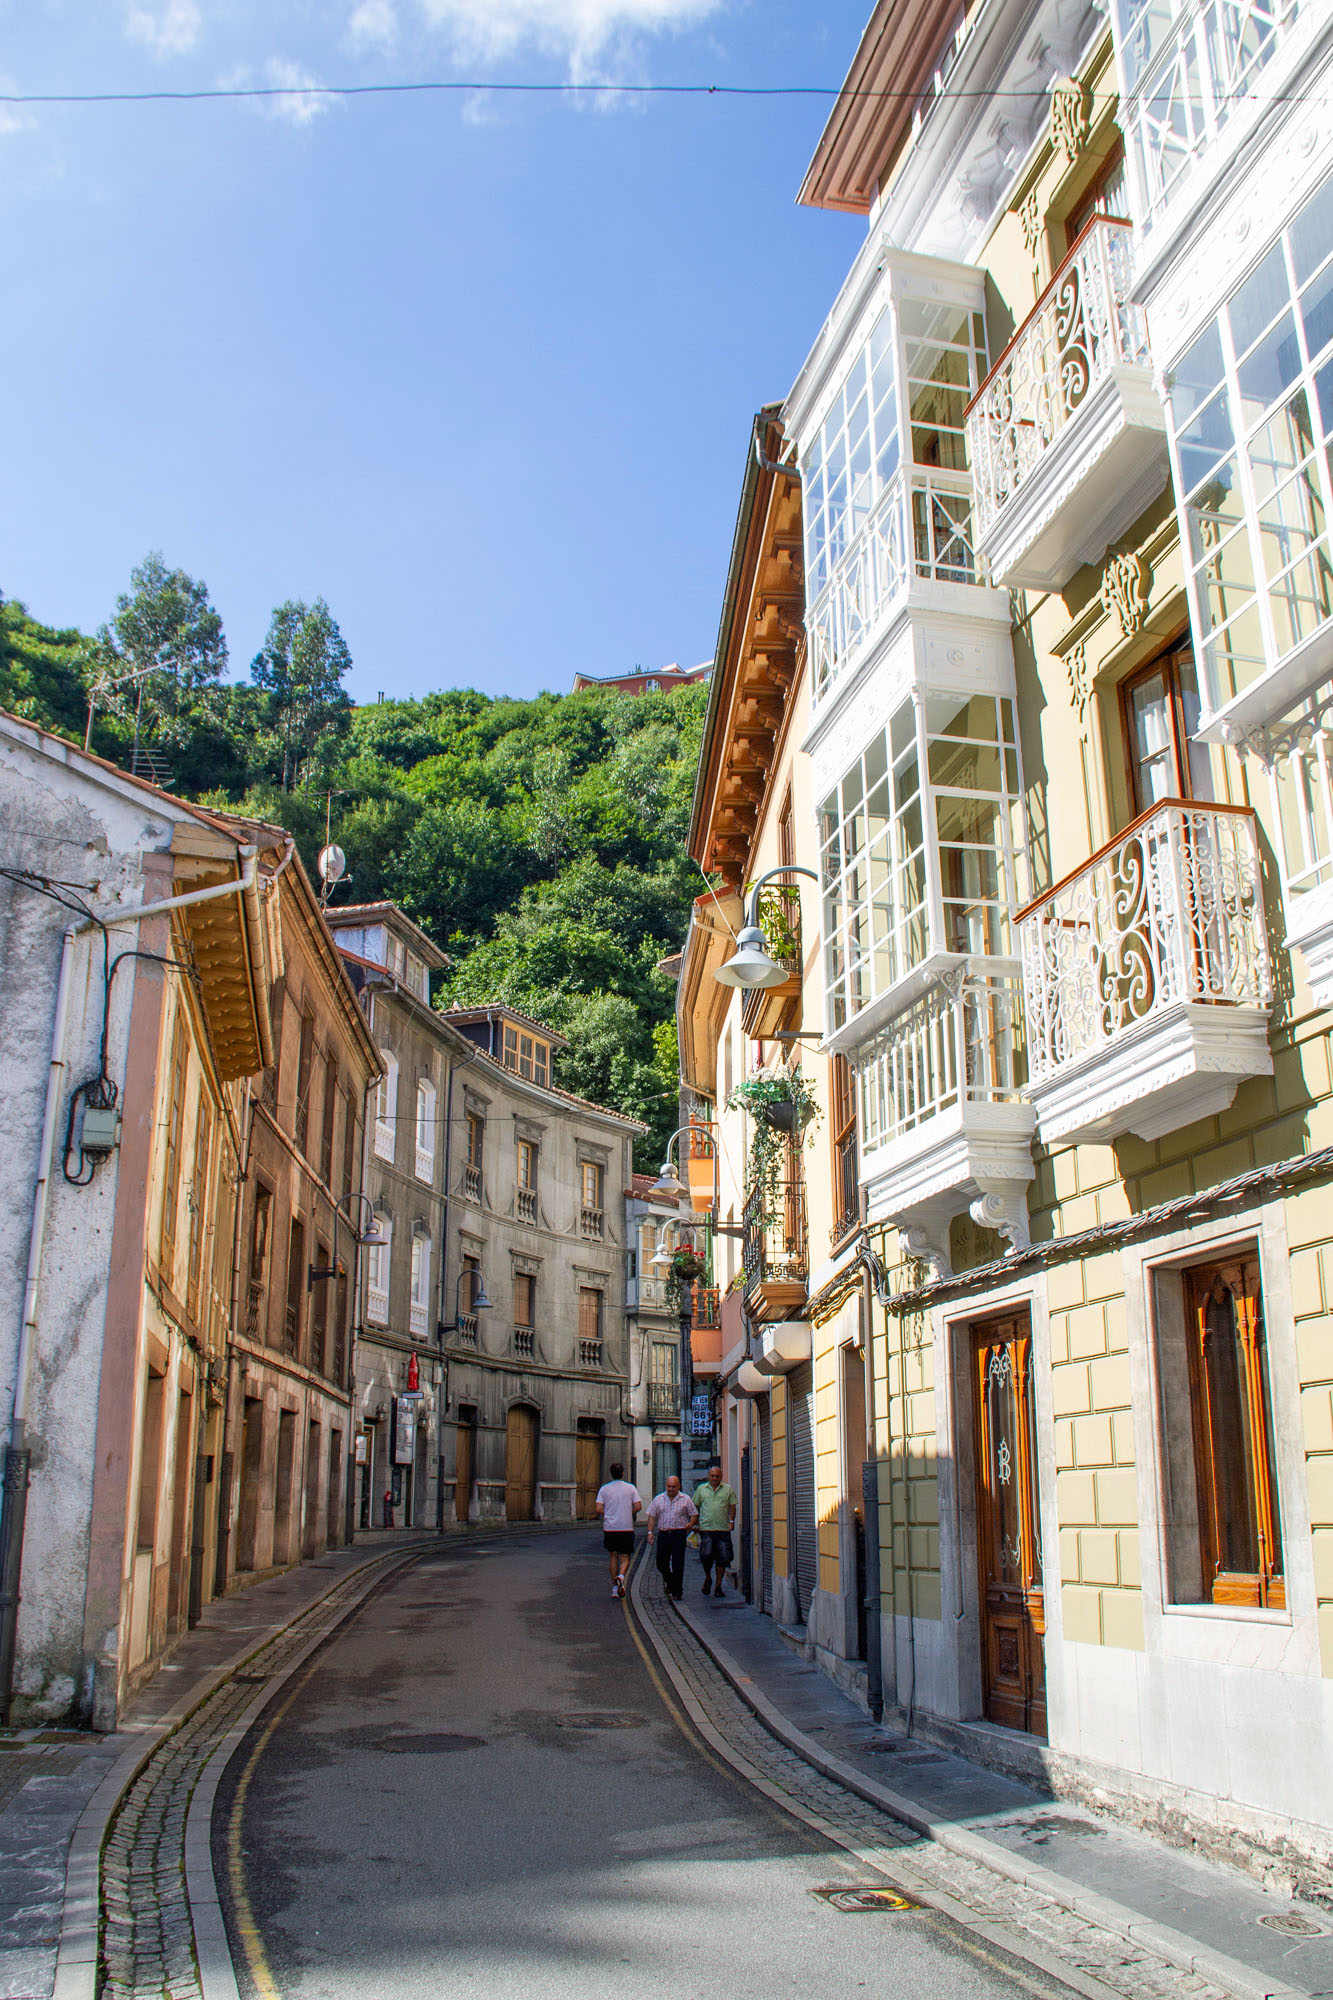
column 465, row 87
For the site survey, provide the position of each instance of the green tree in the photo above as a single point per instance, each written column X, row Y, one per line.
column 300, row 667
column 160, row 662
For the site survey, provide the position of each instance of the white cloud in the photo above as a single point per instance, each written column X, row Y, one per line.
column 373, row 23
column 587, row 34
column 303, row 105
column 169, row 29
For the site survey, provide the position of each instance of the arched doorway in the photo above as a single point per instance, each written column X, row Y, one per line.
column 520, row 1462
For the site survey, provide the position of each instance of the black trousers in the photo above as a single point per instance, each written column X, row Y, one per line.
column 671, row 1558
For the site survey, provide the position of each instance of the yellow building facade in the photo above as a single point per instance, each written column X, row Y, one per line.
column 1052, row 738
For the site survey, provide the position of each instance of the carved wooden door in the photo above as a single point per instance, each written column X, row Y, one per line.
column 1013, row 1623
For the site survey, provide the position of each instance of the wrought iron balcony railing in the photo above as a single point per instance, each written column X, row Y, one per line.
column 921, row 526
column 1168, row 913
column 1189, row 66
column 1083, row 325
column 960, row 1044
column 664, row 1402
column 775, row 1245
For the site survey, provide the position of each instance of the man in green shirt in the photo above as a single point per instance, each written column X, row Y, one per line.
column 716, row 1506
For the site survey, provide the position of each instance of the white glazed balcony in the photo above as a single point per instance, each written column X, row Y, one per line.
column 1067, row 435
column 945, row 1125
column 1146, row 977
column 920, row 528
column 1191, row 71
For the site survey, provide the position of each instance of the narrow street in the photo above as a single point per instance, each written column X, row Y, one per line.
column 477, row 1785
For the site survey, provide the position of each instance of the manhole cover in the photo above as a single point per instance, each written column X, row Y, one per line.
column 597, row 1719
column 852, row 1899
column 1292, row 1924
column 428, row 1745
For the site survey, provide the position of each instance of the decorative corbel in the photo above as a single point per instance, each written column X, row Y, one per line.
column 1124, row 592
column 1004, row 1208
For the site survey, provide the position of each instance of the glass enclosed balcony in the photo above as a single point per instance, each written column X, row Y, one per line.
column 886, row 489
column 1192, row 72
column 1066, row 435
column 1146, row 977
column 1251, row 414
column 921, row 847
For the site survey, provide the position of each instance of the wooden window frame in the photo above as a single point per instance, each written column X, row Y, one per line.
column 1164, row 663
column 476, row 1139
column 171, row 1166
column 199, row 1192
column 305, row 1064
column 597, row 1171
column 326, row 1127
column 525, row 1295
column 1264, row 1587
column 526, row 1166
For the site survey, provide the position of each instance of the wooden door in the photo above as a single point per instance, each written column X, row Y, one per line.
column 1013, row 1623
column 520, row 1463
column 587, row 1473
column 463, row 1468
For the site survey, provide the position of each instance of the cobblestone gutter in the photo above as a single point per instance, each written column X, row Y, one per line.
column 1092, row 1959
column 152, row 1913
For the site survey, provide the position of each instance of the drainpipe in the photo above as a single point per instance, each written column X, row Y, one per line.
column 870, row 1516
column 18, row 1452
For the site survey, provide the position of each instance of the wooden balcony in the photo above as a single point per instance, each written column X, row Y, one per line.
column 766, row 1010
column 775, row 1249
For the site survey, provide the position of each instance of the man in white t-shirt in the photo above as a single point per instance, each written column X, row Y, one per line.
column 617, row 1504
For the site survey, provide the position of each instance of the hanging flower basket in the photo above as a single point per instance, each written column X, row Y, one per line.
column 781, row 1105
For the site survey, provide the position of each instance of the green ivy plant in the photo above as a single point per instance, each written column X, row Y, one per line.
column 769, row 1142
column 779, row 920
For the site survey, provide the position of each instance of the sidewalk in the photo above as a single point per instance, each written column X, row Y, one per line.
column 58, row 1788
column 1209, row 1919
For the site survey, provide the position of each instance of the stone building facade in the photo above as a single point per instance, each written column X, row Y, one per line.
column 397, row 1365
column 535, row 1385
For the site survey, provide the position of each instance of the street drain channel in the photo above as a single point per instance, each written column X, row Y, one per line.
column 597, row 1719
column 427, row 1745
column 867, row 1898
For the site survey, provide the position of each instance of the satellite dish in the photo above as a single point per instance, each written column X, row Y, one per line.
column 332, row 865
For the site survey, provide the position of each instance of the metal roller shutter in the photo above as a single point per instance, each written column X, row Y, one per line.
column 801, row 1496
column 764, row 1553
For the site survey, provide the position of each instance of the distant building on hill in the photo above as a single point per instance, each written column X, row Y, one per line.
column 658, row 680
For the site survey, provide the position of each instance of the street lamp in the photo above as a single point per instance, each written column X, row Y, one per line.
column 480, row 1303
column 669, row 1182
column 750, row 965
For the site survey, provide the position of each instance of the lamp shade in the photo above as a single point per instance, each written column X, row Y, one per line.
column 481, row 1304
column 750, row 965
column 668, row 1182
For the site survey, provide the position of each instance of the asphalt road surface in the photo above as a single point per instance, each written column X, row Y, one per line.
column 476, row 1789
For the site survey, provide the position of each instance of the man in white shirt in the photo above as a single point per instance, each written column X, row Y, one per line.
column 617, row 1504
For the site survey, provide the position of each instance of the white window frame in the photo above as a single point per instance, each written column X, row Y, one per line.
column 419, row 1301
column 386, row 1108
column 425, row 1130
column 379, row 1265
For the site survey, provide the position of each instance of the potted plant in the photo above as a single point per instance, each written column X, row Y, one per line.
column 781, row 1104
column 685, row 1269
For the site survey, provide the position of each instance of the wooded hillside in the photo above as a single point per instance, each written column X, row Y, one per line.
column 540, row 842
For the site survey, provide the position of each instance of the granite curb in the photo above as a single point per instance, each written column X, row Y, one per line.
column 1189, row 1954
column 77, row 1953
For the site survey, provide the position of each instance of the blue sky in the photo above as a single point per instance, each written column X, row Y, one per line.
column 479, row 370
